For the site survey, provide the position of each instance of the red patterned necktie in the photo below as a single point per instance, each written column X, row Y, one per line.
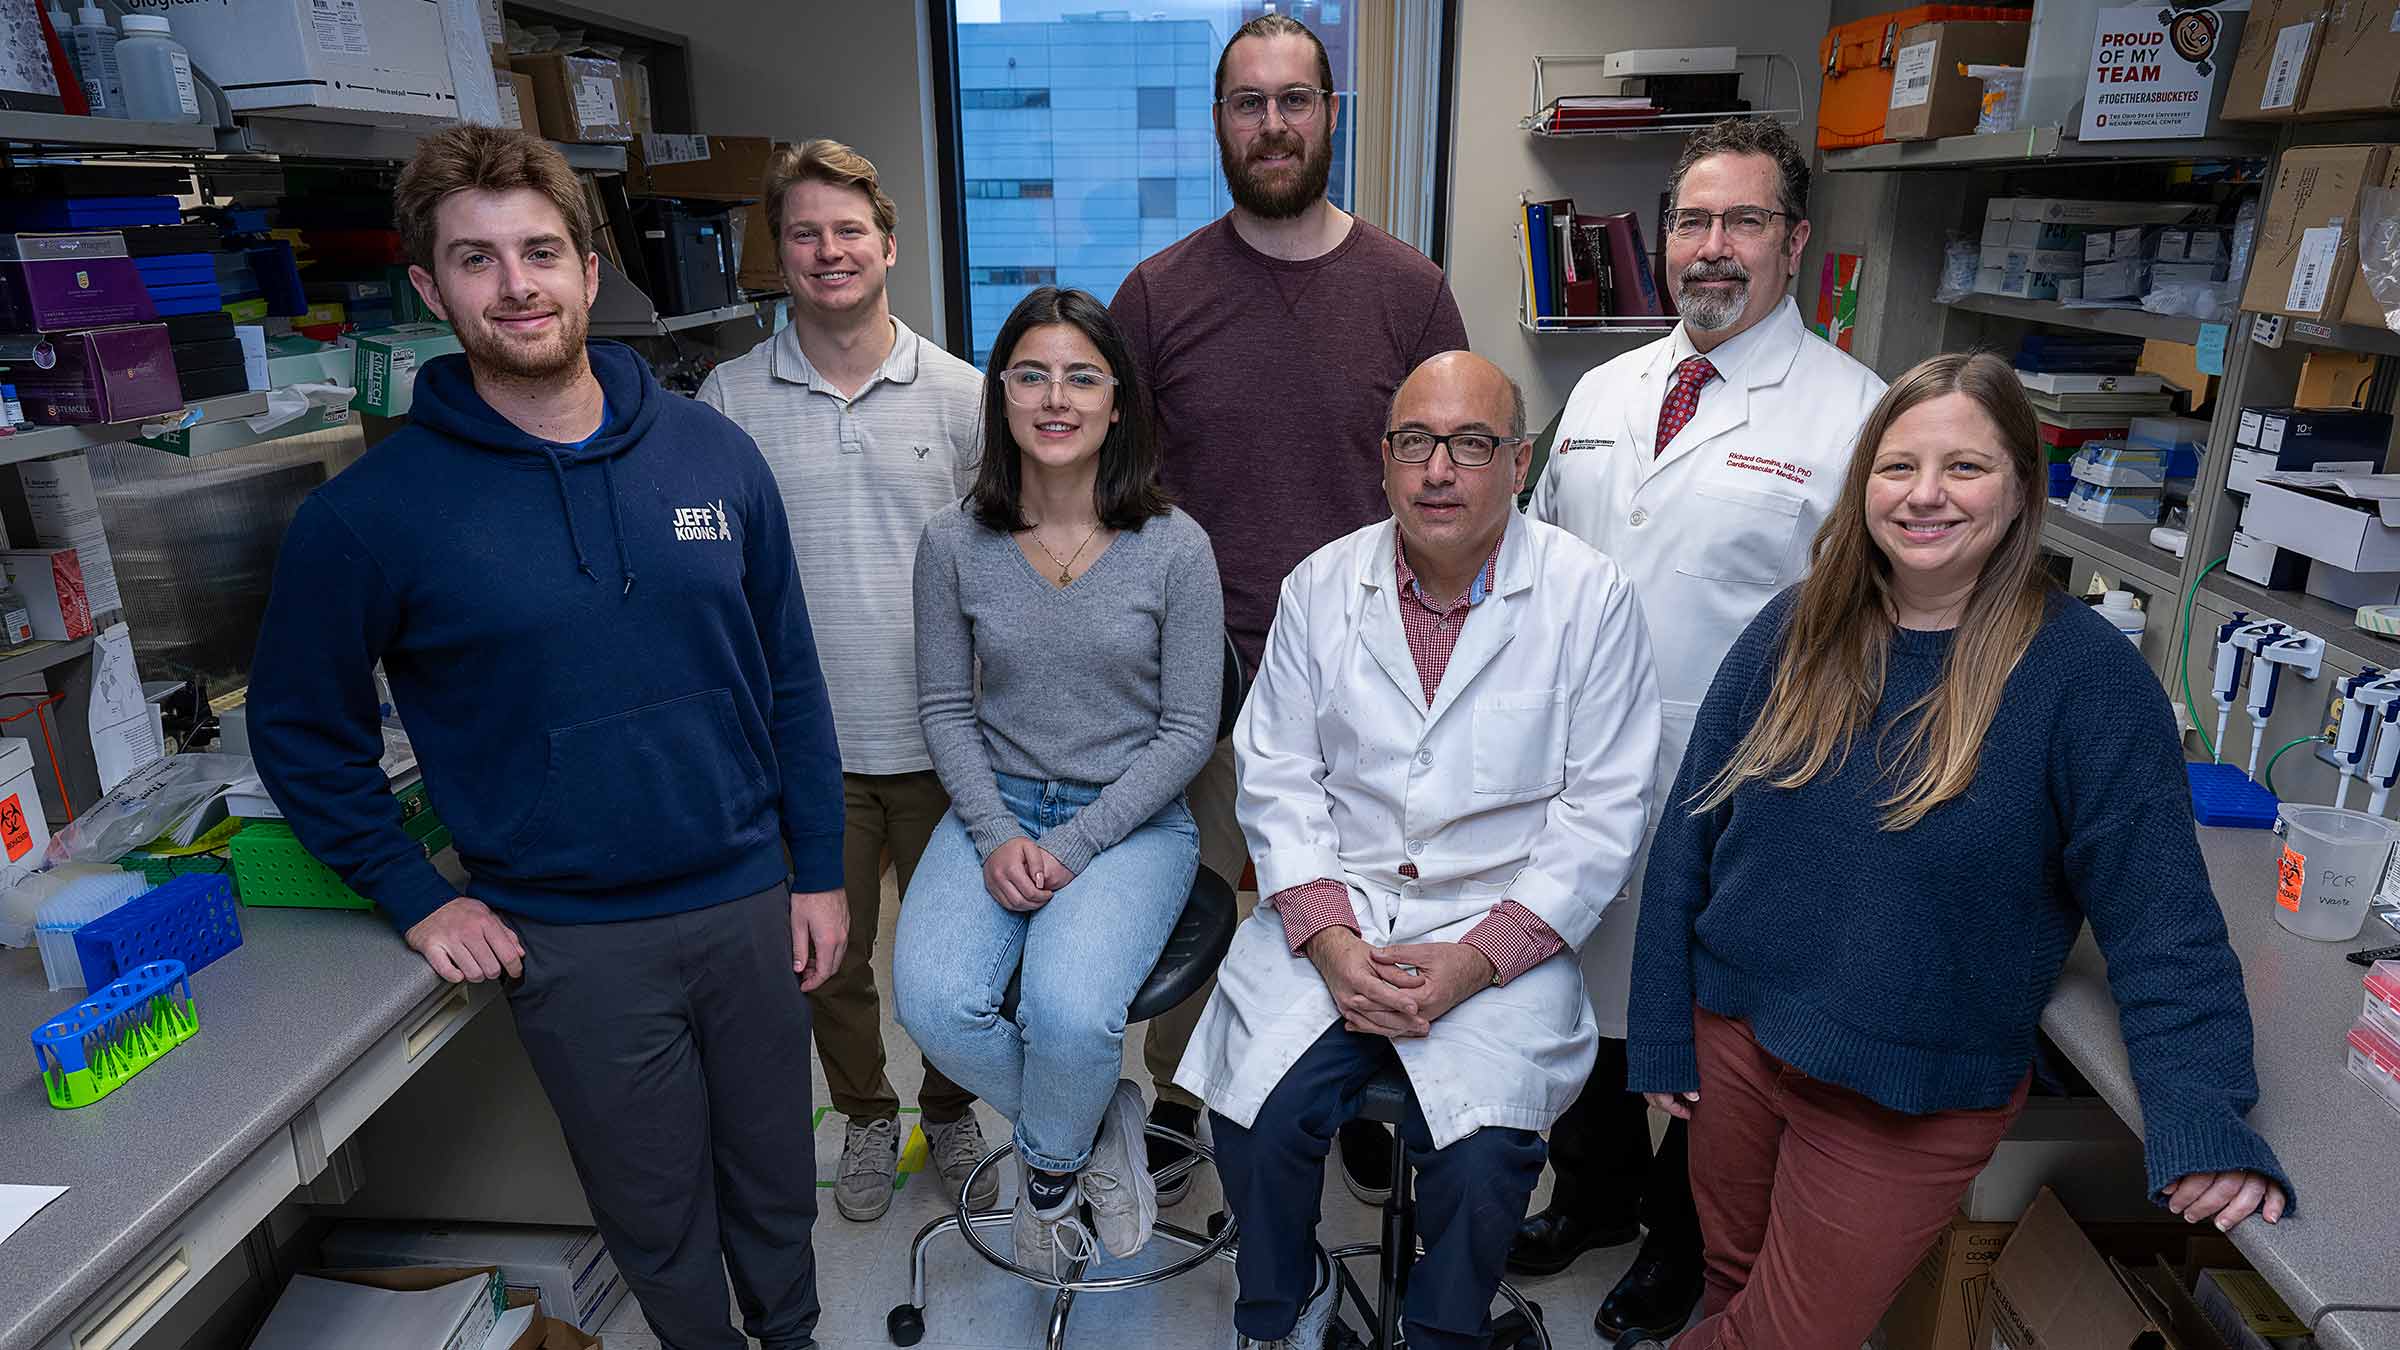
column 1683, row 399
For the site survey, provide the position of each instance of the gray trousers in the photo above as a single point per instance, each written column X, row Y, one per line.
column 675, row 1052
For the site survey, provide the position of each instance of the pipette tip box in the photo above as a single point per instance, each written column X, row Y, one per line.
column 2223, row 795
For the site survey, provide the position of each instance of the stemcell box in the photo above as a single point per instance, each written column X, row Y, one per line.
column 56, row 283
column 102, row 375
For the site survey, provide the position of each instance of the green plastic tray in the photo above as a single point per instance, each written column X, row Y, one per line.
column 271, row 869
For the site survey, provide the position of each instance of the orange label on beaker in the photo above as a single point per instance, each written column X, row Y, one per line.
column 2290, row 871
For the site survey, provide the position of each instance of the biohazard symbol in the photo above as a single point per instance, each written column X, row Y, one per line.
column 13, row 831
column 2291, row 872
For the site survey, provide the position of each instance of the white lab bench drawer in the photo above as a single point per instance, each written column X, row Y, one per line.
column 158, row 1279
column 369, row 1082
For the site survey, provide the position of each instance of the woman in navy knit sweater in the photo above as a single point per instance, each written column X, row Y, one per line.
column 1916, row 776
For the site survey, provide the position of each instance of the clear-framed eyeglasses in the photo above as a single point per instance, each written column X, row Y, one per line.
column 1299, row 104
column 1468, row 449
column 1741, row 222
column 1029, row 387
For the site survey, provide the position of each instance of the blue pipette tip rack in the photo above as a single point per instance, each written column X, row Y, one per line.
column 2223, row 795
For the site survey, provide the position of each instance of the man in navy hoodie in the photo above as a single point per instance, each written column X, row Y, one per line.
column 581, row 587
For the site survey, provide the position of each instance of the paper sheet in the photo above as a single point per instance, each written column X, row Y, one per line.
column 19, row 1203
column 511, row 1325
column 66, row 514
column 125, row 734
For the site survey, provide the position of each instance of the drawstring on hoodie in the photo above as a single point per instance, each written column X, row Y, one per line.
column 558, row 470
column 616, row 521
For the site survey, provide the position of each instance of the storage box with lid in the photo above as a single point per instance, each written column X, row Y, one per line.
column 366, row 61
column 1858, row 59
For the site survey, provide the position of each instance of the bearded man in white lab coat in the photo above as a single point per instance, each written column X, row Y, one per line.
column 1703, row 464
column 1444, row 770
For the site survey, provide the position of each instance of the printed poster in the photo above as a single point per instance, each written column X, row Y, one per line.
column 1837, row 298
column 2154, row 71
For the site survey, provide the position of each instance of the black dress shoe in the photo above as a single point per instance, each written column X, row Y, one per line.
column 1165, row 1153
column 1366, row 1147
column 1550, row 1241
column 1655, row 1298
column 1513, row 1330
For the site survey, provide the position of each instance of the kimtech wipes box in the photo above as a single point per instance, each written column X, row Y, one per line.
column 388, row 360
column 366, row 61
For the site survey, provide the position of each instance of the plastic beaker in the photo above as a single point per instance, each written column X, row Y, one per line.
column 2332, row 862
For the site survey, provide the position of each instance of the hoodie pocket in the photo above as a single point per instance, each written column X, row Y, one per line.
column 645, row 795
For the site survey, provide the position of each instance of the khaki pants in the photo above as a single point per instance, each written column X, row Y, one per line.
column 1224, row 852
column 895, row 811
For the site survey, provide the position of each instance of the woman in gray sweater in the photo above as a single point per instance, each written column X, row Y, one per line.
column 1070, row 628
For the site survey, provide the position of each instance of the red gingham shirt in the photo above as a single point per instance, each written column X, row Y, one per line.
column 1510, row 936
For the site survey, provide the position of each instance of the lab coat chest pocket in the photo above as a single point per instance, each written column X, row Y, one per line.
column 1520, row 742
column 1747, row 538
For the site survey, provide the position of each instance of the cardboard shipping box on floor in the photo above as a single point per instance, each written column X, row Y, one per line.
column 2276, row 62
column 2307, row 250
column 2358, row 68
column 1930, row 98
column 1940, row 1306
column 2054, row 1288
column 579, row 98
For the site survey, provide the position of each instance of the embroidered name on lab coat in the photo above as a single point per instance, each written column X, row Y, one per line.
column 1781, row 468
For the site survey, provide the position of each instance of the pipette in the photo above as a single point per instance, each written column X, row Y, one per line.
column 2225, row 675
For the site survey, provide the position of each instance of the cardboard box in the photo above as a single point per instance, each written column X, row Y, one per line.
column 56, row 283
column 515, row 91
column 430, row 1308
column 2278, row 56
column 706, row 168
column 2358, row 63
column 365, row 61
column 2254, row 559
column 2123, row 279
column 2307, row 249
column 2322, row 440
column 388, row 360
column 2185, row 274
column 466, row 39
column 568, row 1267
column 762, row 265
column 2248, row 1313
column 24, row 830
column 2351, row 590
column 2055, row 1287
column 51, row 580
column 2362, row 308
column 2351, row 521
column 1930, row 98
column 579, row 98
column 1937, row 1309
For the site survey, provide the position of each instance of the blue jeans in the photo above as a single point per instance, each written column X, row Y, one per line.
column 1084, row 955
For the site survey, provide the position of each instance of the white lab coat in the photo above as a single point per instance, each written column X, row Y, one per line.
column 1708, row 532
column 1527, row 779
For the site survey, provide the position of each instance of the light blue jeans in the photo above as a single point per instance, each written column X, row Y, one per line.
column 1084, row 956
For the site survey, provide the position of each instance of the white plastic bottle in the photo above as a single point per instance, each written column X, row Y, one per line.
column 157, row 73
column 2119, row 609
column 96, row 61
column 64, row 25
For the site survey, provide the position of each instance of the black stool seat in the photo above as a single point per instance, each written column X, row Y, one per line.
column 1193, row 952
column 1385, row 1097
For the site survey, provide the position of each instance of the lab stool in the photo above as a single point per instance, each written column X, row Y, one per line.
column 1192, row 955
column 1386, row 1099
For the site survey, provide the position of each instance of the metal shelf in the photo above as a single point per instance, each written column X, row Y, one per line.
column 1652, row 326
column 40, row 656
column 67, row 132
column 1765, row 65
column 2033, row 145
column 2139, row 323
column 660, row 325
column 2337, row 624
column 42, row 442
column 300, row 138
column 2127, row 548
column 2342, row 336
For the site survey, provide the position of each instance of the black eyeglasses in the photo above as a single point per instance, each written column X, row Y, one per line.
column 1468, row 449
column 1742, row 222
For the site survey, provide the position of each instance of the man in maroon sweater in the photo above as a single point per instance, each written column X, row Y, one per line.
column 1272, row 341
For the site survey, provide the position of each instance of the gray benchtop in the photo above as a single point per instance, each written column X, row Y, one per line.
column 2353, row 1330
column 2338, row 1140
column 305, row 995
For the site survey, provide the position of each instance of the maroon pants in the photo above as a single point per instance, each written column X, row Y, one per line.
column 1815, row 1202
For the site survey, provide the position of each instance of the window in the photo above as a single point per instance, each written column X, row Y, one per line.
column 1108, row 151
column 1154, row 107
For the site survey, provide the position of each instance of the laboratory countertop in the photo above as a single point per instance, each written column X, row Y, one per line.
column 2359, row 1330
column 2337, row 1139
column 304, row 996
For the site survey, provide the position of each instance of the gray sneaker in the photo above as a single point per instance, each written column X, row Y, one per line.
column 1116, row 1181
column 955, row 1147
column 1049, row 1246
column 1314, row 1330
column 862, row 1186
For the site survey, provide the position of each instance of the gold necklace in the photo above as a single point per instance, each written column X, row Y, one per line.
column 1066, row 565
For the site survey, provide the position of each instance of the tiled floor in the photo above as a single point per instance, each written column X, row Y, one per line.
column 863, row 1268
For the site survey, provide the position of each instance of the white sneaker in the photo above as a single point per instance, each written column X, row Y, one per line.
column 956, row 1146
column 1314, row 1330
column 1116, row 1182
column 1048, row 1244
column 862, row 1184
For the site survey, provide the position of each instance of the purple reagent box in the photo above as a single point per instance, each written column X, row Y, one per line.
column 58, row 283
column 103, row 375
